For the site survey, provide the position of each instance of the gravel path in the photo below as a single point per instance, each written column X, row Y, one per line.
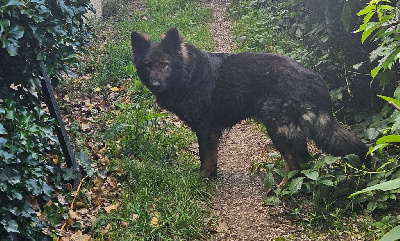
column 239, row 203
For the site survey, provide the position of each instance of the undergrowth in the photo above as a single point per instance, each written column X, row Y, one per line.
column 319, row 194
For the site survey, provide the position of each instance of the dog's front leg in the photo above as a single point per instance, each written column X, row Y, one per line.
column 208, row 139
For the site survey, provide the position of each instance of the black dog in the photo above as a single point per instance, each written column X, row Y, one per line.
column 214, row 91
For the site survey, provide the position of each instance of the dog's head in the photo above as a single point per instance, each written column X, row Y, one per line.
column 159, row 64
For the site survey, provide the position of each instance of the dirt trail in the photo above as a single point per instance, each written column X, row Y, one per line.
column 239, row 204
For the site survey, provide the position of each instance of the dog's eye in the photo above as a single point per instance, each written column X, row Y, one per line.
column 164, row 65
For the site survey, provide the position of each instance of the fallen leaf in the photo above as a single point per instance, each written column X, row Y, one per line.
column 97, row 181
column 222, row 227
column 74, row 215
column 134, row 217
column 119, row 171
column 115, row 89
column 111, row 208
column 78, row 236
column 106, row 228
column 154, row 222
column 61, row 199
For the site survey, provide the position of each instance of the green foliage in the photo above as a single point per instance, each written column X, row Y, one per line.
column 327, row 181
column 32, row 32
column 161, row 184
column 382, row 20
column 392, row 235
column 25, row 173
column 36, row 31
column 384, row 184
column 319, row 34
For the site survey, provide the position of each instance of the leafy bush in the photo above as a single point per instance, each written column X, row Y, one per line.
column 32, row 32
column 384, row 183
column 324, row 181
column 382, row 19
column 27, row 171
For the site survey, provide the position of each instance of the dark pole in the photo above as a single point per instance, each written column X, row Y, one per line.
column 62, row 135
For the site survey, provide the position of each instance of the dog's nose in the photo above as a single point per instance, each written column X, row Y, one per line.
column 155, row 83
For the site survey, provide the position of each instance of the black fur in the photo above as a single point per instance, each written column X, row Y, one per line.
column 214, row 91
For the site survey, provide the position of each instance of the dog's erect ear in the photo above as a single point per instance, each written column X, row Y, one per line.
column 172, row 40
column 140, row 42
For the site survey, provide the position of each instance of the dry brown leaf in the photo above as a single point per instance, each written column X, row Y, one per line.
column 154, row 222
column 74, row 215
column 79, row 204
column 111, row 208
column 70, row 221
column 78, row 236
column 106, row 228
column 85, row 126
column 98, row 181
column 134, row 217
column 119, row 171
column 222, row 227
column 61, row 199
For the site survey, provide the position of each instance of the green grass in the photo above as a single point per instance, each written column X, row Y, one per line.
column 163, row 197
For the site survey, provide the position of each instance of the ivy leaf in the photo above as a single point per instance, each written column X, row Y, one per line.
column 17, row 31
column 3, row 130
column 11, row 226
column 14, row 179
column 52, row 214
column 69, row 173
column 47, row 189
column 33, row 186
column 86, row 163
column 12, row 49
column 3, row 141
column 14, row 3
column 4, row 23
column 16, row 194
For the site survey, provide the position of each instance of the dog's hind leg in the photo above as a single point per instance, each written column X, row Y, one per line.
column 288, row 133
column 208, row 139
column 291, row 144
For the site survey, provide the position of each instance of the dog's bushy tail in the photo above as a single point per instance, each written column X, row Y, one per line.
column 336, row 140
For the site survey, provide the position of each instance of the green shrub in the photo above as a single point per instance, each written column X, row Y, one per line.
column 32, row 32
